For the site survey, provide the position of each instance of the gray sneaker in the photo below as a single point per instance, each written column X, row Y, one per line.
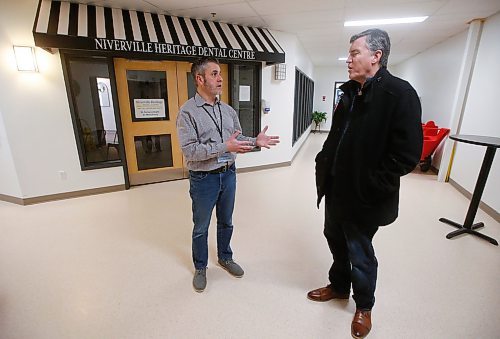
column 200, row 280
column 232, row 267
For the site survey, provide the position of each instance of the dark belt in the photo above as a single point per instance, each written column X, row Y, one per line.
column 222, row 169
column 219, row 170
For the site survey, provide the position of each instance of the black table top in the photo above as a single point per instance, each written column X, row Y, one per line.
column 477, row 140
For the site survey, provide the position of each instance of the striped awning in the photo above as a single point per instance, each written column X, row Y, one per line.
column 61, row 24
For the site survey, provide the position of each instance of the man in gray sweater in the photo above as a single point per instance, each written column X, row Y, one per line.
column 210, row 136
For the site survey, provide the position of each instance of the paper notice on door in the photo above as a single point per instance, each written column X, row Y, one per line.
column 244, row 93
column 149, row 108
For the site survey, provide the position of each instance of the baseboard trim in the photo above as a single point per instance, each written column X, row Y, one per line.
column 116, row 188
column 485, row 207
column 108, row 189
column 61, row 196
column 11, row 199
column 263, row 167
column 302, row 144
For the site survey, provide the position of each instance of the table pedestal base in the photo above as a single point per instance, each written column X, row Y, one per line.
column 462, row 229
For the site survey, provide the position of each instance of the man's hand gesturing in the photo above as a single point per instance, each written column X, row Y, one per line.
column 236, row 146
column 266, row 141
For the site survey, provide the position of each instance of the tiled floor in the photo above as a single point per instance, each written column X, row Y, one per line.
column 118, row 265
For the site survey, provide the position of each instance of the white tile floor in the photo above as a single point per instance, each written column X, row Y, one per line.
column 118, row 265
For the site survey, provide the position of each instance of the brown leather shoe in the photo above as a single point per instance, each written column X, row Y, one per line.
column 325, row 294
column 361, row 324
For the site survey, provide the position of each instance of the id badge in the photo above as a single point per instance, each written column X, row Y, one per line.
column 226, row 157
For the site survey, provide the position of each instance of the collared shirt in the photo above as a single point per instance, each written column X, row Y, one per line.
column 198, row 126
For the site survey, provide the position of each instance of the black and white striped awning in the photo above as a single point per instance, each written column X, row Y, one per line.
column 61, row 24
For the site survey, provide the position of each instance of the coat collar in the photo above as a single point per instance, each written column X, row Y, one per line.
column 352, row 88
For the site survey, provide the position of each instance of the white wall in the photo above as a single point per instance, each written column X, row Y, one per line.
column 9, row 182
column 434, row 74
column 482, row 117
column 324, row 83
column 36, row 115
column 281, row 95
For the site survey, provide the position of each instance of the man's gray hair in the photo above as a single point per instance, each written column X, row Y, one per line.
column 376, row 39
column 199, row 66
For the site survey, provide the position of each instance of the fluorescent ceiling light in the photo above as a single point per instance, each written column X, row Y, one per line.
column 342, row 58
column 376, row 22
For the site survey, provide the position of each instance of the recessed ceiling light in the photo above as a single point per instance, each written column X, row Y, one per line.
column 375, row 22
column 342, row 58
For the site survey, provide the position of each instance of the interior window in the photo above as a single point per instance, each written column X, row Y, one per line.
column 303, row 104
column 245, row 96
column 93, row 111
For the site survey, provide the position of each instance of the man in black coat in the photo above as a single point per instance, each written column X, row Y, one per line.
column 375, row 138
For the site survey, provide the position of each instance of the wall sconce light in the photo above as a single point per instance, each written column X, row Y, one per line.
column 280, row 72
column 25, row 59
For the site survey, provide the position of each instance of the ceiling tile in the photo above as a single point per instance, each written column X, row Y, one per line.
column 267, row 7
column 223, row 12
column 190, row 4
column 404, row 10
column 318, row 24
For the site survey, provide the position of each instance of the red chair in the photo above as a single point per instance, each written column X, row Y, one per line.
column 430, row 124
column 433, row 135
column 430, row 131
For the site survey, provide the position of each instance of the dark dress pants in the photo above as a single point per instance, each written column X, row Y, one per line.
column 354, row 261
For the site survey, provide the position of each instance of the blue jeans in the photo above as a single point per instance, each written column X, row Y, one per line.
column 354, row 260
column 208, row 191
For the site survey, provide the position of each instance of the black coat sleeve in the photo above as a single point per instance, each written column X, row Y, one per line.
column 321, row 175
column 324, row 161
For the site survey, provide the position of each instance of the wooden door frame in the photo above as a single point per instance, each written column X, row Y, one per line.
column 130, row 130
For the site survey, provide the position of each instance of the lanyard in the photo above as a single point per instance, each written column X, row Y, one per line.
column 219, row 128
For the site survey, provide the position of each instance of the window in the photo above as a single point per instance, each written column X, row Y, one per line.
column 303, row 104
column 147, row 85
column 245, row 96
column 93, row 112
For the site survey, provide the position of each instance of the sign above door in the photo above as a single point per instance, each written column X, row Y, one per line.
column 127, row 33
